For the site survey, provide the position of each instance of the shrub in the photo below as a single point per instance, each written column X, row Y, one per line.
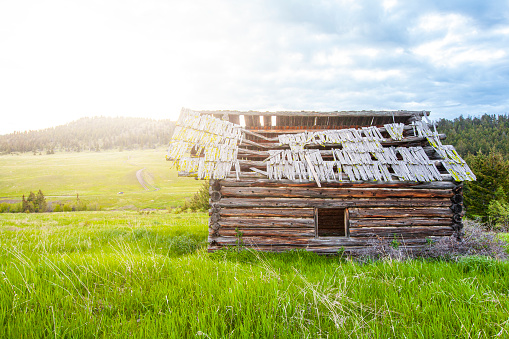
column 200, row 200
column 4, row 207
column 184, row 244
column 498, row 211
column 10, row 207
column 477, row 241
column 34, row 203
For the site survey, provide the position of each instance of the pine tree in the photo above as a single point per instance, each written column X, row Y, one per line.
column 492, row 173
column 41, row 202
column 31, row 203
column 24, row 205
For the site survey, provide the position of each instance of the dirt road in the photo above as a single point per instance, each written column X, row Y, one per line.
column 139, row 176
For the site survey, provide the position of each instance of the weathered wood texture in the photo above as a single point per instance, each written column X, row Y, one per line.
column 277, row 216
column 321, row 246
column 324, row 203
column 290, row 114
column 345, row 193
column 409, row 212
column 446, row 184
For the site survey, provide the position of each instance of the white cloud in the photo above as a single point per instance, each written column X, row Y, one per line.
column 61, row 60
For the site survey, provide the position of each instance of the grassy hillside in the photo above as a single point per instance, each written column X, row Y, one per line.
column 122, row 274
column 97, row 177
column 94, row 133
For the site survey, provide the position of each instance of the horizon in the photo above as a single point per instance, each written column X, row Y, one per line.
column 63, row 60
column 174, row 120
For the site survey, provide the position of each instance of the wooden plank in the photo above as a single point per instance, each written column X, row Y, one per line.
column 262, row 240
column 325, row 203
column 345, row 184
column 398, row 222
column 268, row 212
column 399, row 212
column 235, row 119
column 406, row 232
column 267, row 123
column 251, row 175
column 317, row 128
column 293, row 242
column 400, row 113
column 241, row 223
column 407, row 141
column 348, row 250
column 248, row 232
column 348, row 193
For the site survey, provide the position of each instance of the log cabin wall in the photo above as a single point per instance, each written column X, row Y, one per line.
column 276, row 216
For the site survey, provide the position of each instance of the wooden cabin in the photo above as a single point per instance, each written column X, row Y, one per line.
column 322, row 181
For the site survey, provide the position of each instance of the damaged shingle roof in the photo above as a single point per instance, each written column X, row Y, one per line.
column 206, row 145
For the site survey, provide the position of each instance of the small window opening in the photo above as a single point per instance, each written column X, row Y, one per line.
column 331, row 222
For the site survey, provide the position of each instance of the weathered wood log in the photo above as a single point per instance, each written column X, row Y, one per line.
column 456, row 208
column 314, row 242
column 398, row 222
column 262, row 240
column 345, row 184
column 215, row 185
column 215, row 196
column 270, row 212
column 232, row 222
column 214, row 208
column 407, row 212
column 457, row 198
column 215, row 217
column 272, row 232
column 348, row 250
column 456, row 218
column 406, row 141
column 315, row 192
column 326, row 203
column 400, row 113
column 406, row 232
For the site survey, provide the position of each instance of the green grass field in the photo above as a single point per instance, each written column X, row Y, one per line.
column 97, row 177
column 125, row 274
column 120, row 273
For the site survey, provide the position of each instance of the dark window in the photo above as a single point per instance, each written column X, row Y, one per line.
column 331, row 222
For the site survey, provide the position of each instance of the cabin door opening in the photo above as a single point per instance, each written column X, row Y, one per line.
column 331, row 222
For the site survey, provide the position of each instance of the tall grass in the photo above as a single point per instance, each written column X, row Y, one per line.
column 115, row 274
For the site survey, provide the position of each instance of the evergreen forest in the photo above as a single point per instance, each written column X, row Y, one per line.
column 474, row 135
column 91, row 134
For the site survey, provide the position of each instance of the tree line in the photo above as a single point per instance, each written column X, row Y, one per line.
column 91, row 134
column 474, row 135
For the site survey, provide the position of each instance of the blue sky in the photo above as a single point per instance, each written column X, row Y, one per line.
column 62, row 59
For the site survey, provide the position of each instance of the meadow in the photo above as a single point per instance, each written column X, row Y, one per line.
column 123, row 272
column 97, row 177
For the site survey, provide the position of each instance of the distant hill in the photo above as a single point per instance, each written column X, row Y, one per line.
column 469, row 135
column 477, row 134
column 91, row 134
